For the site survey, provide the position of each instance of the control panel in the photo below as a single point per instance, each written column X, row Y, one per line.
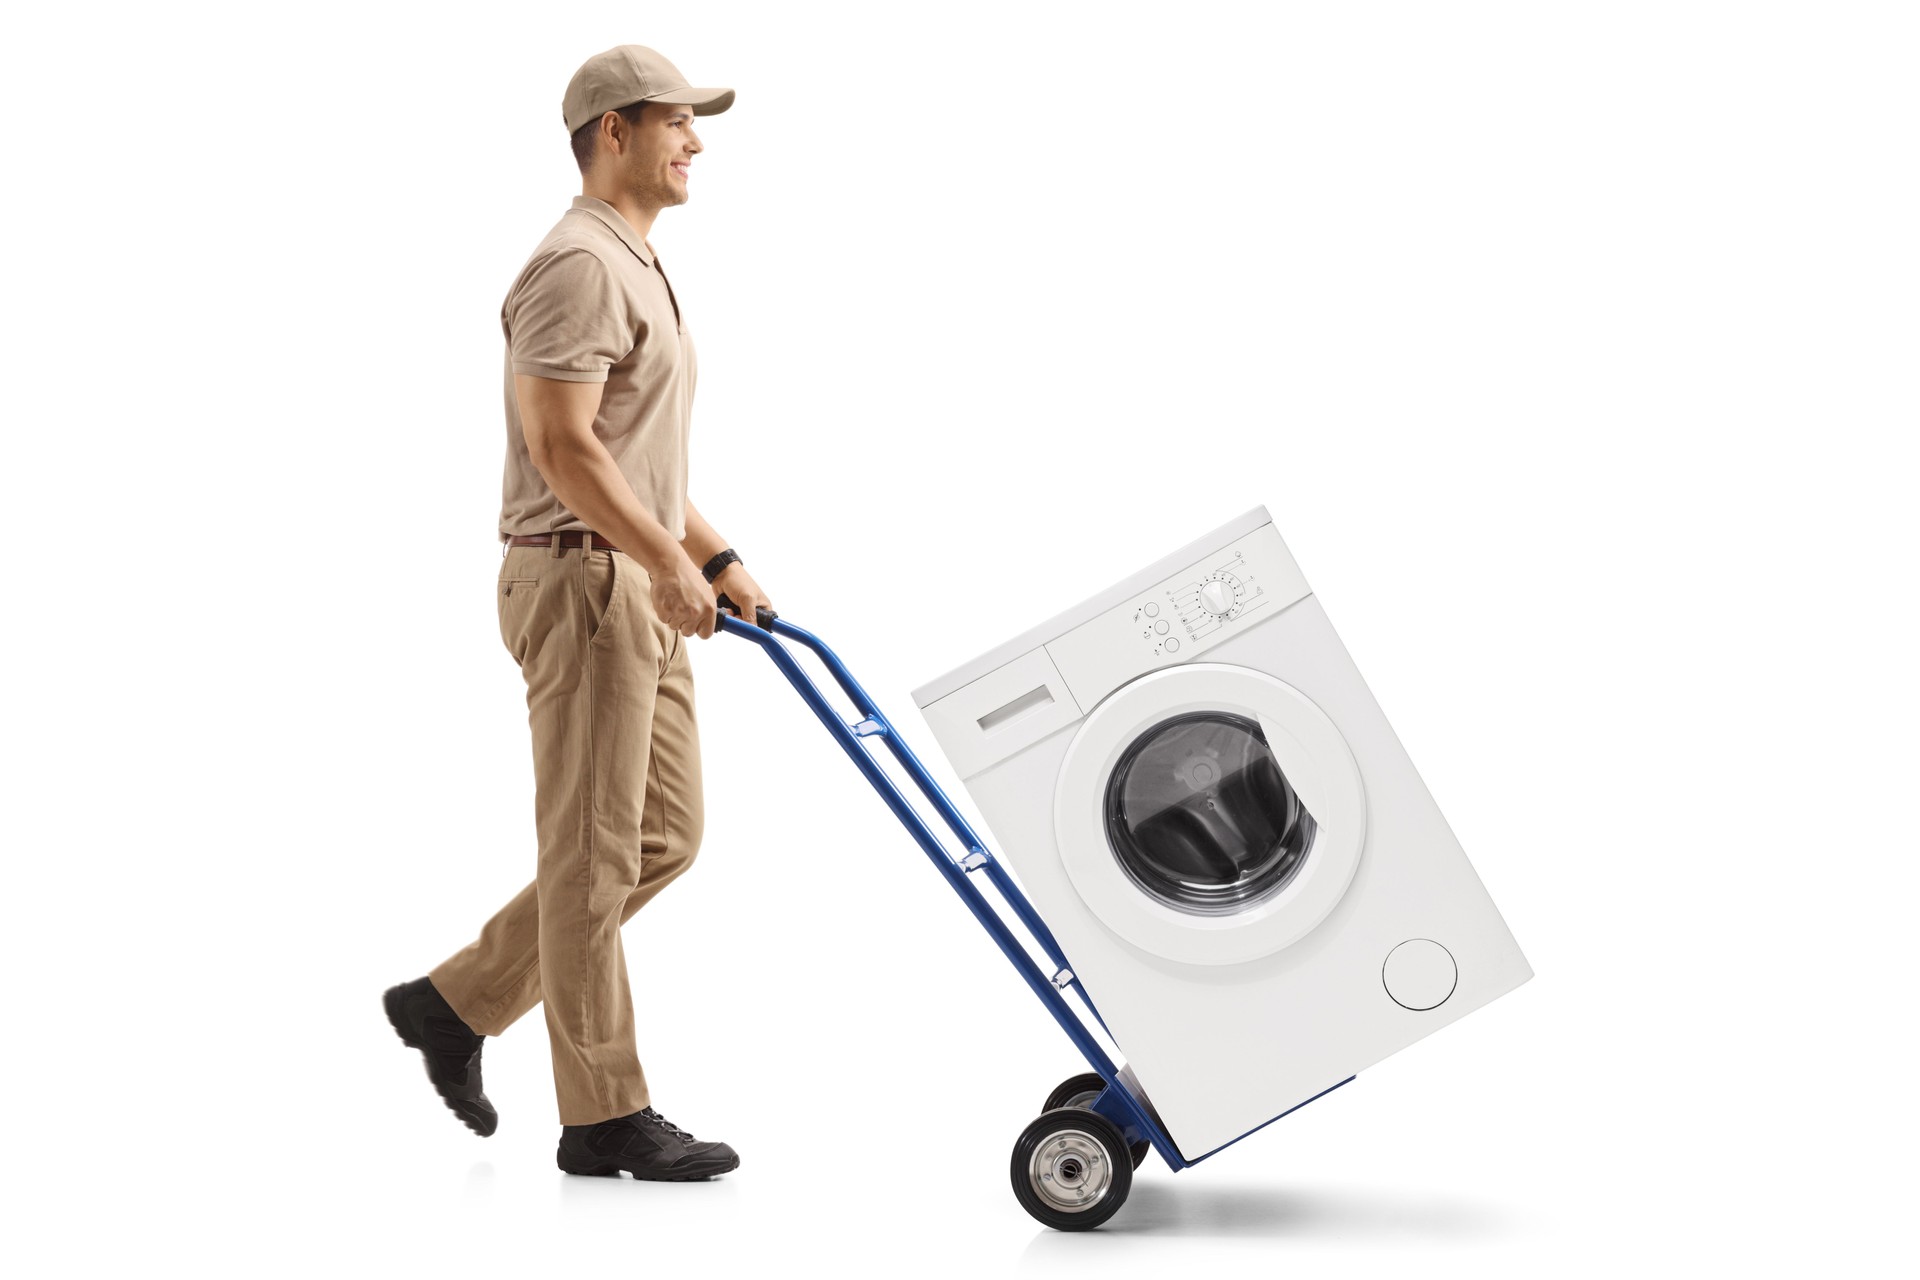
column 1187, row 611
column 1251, row 578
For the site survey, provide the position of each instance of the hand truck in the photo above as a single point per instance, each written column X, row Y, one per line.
column 1072, row 1167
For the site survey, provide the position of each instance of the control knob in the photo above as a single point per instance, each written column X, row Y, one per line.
column 1216, row 597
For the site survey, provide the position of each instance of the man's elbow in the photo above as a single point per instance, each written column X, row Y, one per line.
column 540, row 451
column 550, row 448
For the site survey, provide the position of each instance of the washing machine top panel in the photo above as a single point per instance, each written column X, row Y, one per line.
column 1173, row 613
column 1169, row 611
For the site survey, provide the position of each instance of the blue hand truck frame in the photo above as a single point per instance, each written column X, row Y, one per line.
column 1115, row 1102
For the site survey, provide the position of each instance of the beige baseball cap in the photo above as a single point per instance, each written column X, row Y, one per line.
column 628, row 74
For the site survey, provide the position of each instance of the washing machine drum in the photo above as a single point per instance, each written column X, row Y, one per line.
column 1210, row 814
column 1200, row 816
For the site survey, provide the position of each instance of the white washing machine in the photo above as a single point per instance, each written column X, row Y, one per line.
column 1205, row 805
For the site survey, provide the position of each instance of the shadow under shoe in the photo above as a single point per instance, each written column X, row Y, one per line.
column 644, row 1144
column 425, row 1021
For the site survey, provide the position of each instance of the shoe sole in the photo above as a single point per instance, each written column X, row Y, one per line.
column 391, row 1002
column 651, row 1175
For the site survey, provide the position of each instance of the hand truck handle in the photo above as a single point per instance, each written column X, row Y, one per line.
column 763, row 617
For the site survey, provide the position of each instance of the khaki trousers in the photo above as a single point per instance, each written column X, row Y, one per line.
column 618, row 809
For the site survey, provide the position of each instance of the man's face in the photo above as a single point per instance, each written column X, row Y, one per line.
column 659, row 153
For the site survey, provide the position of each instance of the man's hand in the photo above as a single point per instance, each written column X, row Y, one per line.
column 738, row 585
column 684, row 601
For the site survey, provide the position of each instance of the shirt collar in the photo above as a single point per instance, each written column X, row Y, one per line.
column 617, row 224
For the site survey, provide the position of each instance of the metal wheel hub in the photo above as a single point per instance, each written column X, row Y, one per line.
column 1071, row 1171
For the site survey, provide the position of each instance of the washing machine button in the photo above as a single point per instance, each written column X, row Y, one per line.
column 1160, row 627
column 1420, row 974
column 1173, row 644
column 1152, row 610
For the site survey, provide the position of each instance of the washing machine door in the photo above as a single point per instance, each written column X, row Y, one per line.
column 1210, row 814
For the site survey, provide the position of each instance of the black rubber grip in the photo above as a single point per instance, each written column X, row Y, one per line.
column 763, row 616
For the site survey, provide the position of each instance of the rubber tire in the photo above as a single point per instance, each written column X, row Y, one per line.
column 1112, row 1145
column 1088, row 1086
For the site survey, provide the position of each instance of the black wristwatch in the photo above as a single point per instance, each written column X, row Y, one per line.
column 721, row 560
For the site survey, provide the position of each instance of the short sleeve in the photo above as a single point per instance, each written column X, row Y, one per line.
column 567, row 318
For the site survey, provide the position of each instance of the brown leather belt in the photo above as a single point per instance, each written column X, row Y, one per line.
column 573, row 539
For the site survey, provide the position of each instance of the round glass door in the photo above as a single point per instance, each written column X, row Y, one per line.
column 1202, row 818
column 1209, row 814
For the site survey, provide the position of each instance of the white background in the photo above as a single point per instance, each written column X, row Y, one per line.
column 1571, row 347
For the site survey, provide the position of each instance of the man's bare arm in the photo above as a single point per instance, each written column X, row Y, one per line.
column 701, row 543
column 734, row 582
column 556, row 418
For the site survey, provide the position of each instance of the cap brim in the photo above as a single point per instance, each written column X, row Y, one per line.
column 705, row 102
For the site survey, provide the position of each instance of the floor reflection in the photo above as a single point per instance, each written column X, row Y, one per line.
column 589, row 1196
column 480, row 1180
column 1194, row 1208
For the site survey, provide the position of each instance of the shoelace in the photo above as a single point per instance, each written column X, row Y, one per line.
column 668, row 1125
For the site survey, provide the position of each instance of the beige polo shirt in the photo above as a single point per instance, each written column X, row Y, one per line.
column 593, row 305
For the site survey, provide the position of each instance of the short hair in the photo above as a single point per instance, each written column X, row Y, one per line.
column 583, row 136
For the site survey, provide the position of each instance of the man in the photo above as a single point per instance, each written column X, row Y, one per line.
column 608, row 568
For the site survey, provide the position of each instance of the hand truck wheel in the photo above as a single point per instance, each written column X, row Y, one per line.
column 1071, row 1169
column 1080, row 1091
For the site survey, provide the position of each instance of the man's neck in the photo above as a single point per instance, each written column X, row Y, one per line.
column 638, row 216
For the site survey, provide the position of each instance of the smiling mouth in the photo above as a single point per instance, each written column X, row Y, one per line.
column 680, row 169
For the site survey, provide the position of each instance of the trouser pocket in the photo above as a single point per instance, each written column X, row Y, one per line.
column 600, row 590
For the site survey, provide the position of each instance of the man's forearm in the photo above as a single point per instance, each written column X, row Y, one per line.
column 584, row 476
column 701, row 543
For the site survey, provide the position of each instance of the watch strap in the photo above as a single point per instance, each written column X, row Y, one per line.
column 721, row 559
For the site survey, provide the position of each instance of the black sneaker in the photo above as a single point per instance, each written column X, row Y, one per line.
column 646, row 1145
column 452, row 1049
